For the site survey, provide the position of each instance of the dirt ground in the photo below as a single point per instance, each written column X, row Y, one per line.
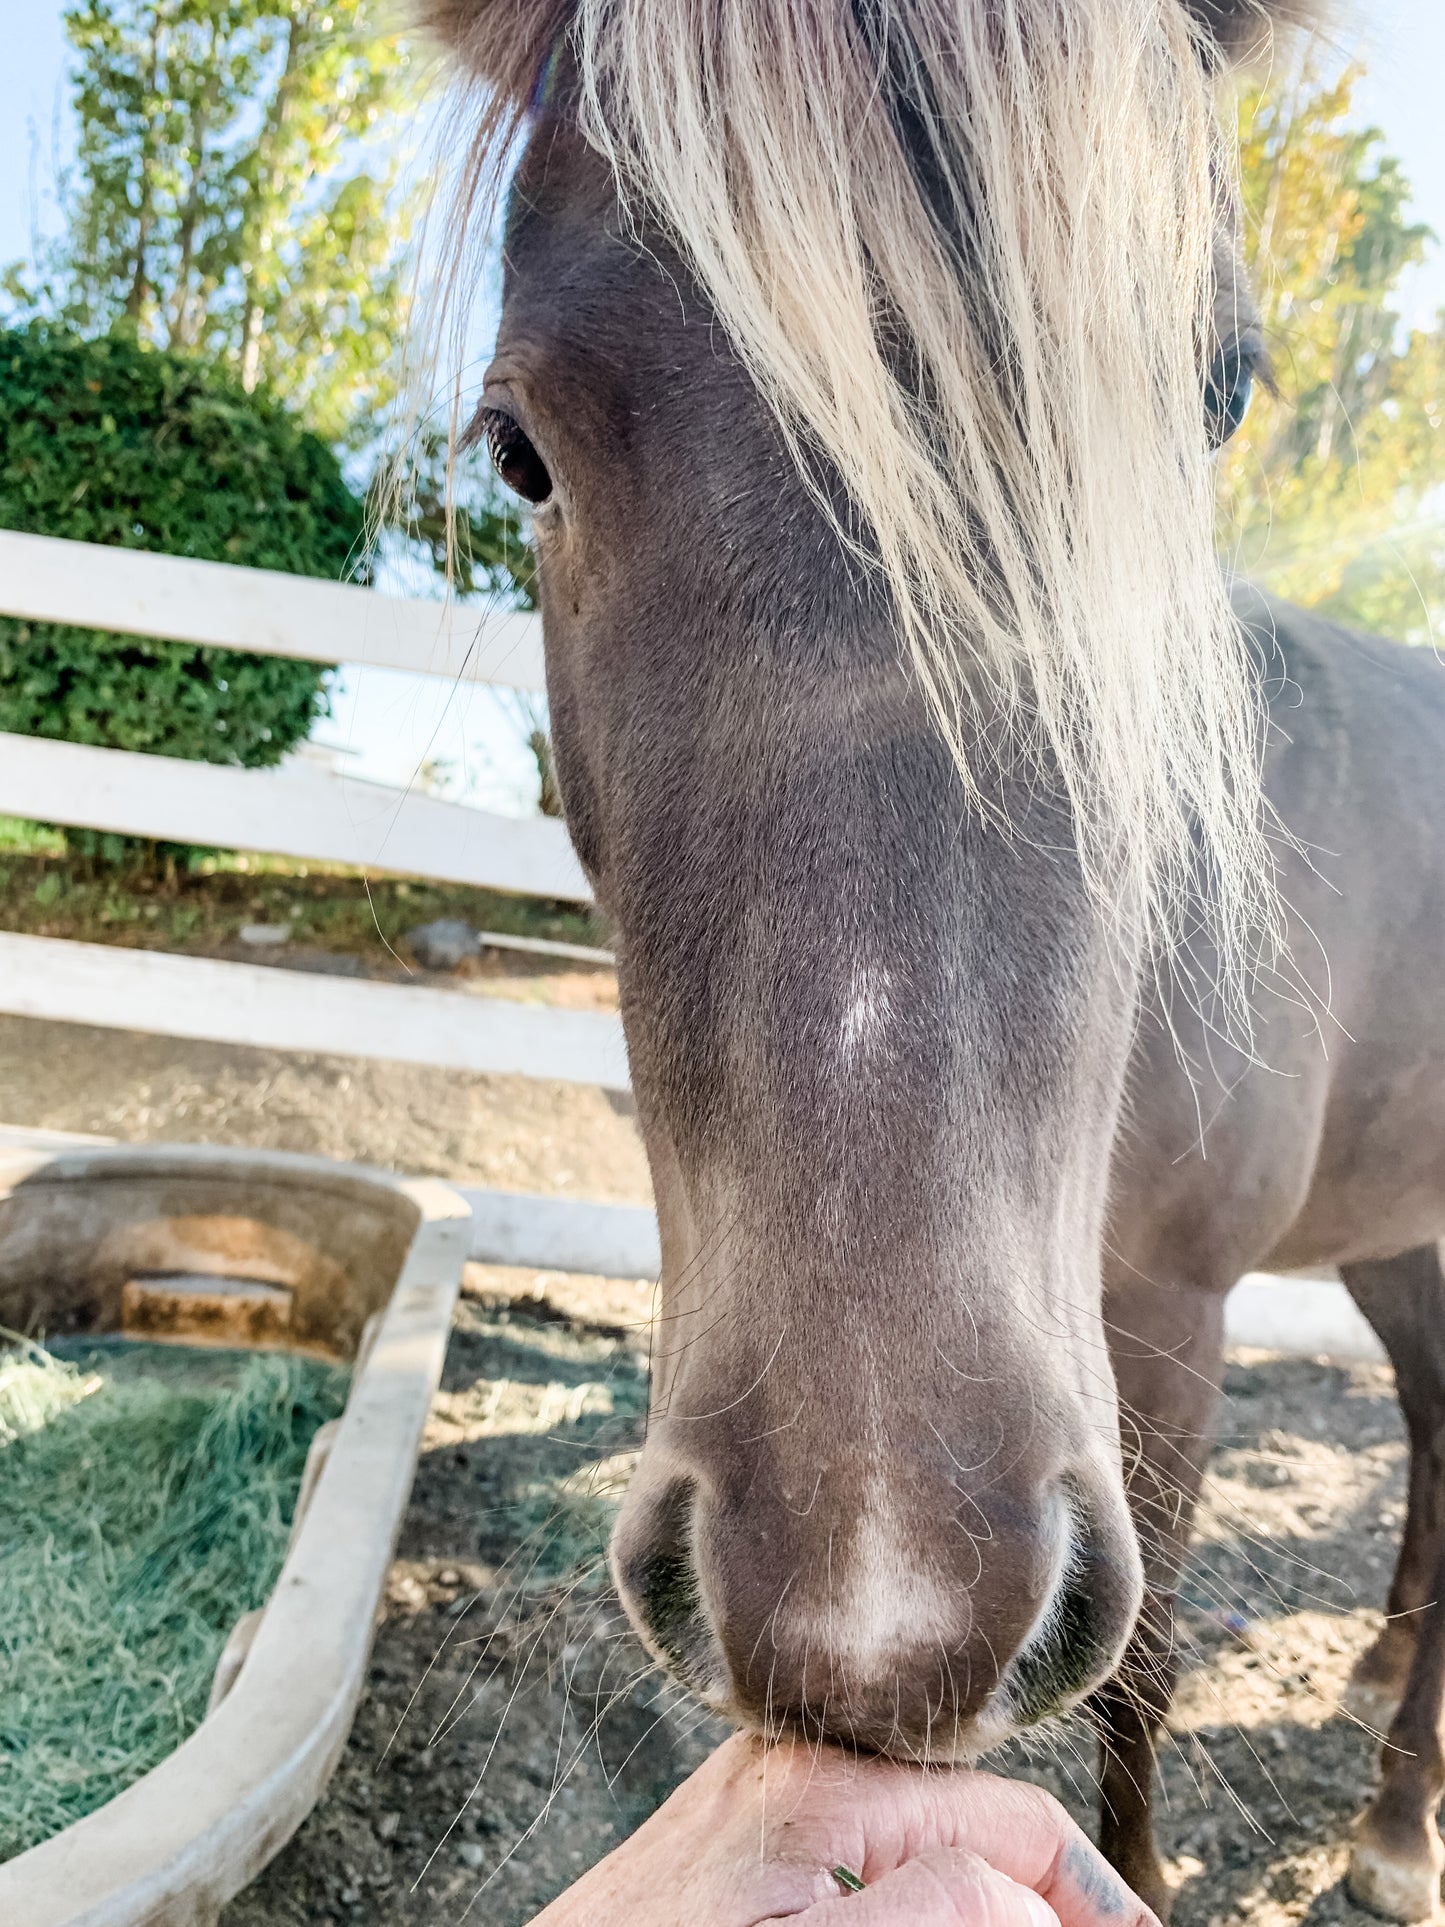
column 511, row 1731
column 515, row 1132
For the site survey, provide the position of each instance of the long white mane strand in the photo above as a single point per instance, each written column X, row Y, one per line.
column 991, row 324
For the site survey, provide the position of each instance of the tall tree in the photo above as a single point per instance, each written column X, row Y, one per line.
column 1332, row 492
column 236, row 192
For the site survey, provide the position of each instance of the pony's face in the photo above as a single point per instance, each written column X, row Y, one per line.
column 878, row 1026
column 876, row 1045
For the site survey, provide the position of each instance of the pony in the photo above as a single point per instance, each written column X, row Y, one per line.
column 860, row 362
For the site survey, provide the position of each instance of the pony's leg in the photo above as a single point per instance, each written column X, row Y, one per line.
column 1397, row 1858
column 1404, row 1300
column 1167, row 1345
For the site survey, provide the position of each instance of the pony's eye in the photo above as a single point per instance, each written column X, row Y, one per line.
column 514, row 458
column 1228, row 389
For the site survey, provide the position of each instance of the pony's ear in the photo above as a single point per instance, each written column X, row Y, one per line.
column 1244, row 31
column 504, row 42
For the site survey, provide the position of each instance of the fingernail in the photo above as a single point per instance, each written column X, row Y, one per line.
column 1040, row 1913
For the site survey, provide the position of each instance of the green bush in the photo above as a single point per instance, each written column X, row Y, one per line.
column 108, row 441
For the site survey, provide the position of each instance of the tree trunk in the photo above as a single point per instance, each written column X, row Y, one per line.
column 182, row 307
column 268, row 190
column 135, row 297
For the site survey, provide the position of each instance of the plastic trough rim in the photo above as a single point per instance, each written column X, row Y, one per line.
column 173, row 1848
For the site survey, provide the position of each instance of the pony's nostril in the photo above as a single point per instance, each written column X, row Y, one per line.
column 657, row 1575
column 1077, row 1641
column 667, row 1597
column 1062, row 1661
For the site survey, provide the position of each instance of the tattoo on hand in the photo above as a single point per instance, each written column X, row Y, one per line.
column 1095, row 1880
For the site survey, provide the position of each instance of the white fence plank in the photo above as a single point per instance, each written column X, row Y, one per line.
column 236, row 1003
column 291, row 811
column 1305, row 1317
column 95, row 586
column 562, row 1234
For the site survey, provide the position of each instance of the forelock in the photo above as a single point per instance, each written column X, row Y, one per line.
column 966, row 254
column 502, row 42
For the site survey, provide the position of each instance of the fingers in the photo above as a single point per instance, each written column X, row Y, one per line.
column 827, row 1806
column 1027, row 1835
column 948, row 1887
column 1085, row 1891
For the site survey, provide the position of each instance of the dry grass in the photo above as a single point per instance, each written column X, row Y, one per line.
column 145, row 1500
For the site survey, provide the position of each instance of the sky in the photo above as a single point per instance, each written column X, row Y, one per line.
column 1404, row 48
column 392, row 724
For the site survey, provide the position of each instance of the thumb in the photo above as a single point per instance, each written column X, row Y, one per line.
column 947, row 1887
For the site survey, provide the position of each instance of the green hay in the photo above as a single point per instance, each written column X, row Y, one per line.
column 141, row 1513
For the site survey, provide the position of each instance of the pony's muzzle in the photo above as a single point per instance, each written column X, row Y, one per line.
column 862, row 1631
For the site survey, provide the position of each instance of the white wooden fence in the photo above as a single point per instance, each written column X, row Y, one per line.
column 293, row 811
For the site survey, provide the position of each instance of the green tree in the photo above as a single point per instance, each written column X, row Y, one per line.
column 109, row 441
column 234, row 193
column 1330, row 494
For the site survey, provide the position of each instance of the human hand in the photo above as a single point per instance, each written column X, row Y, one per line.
column 753, row 1837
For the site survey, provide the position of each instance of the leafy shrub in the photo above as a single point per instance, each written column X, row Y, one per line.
column 109, row 441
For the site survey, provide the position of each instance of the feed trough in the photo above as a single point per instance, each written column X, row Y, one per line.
column 241, row 1248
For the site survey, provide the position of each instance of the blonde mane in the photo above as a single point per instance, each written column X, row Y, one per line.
column 966, row 252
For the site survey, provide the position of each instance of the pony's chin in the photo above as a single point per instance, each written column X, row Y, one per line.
column 959, row 1750
column 994, row 1726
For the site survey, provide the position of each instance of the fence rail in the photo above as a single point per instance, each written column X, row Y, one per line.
column 292, row 811
column 260, row 1005
column 44, row 579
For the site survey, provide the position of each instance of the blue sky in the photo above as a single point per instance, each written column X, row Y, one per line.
column 1404, row 47
column 394, row 723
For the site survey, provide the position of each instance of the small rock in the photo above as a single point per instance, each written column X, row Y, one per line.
column 444, row 944
column 409, row 1592
column 261, row 934
column 449, row 1576
column 472, row 1854
column 387, row 1824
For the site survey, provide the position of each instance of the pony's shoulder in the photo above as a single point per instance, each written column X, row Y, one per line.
column 1341, row 694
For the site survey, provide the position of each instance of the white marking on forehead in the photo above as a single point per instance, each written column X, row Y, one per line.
column 883, row 1603
column 867, row 1011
